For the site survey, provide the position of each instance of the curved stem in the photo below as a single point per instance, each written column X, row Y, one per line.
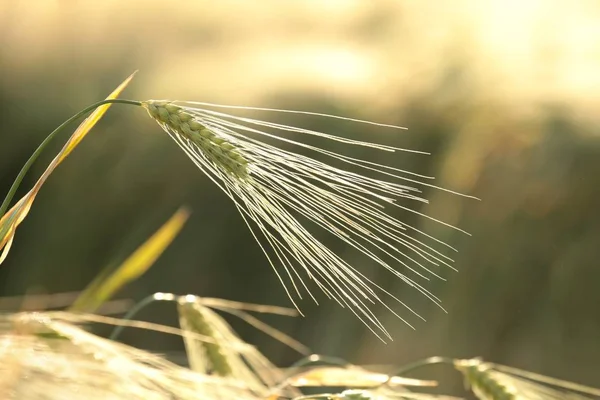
column 416, row 365
column 422, row 363
column 38, row 151
column 129, row 315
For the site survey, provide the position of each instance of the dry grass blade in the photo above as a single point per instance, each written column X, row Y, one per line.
column 9, row 223
column 134, row 266
column 575, row 387
column 238, row 305
column 263, row 327
column 11, row 220
column 236, row 308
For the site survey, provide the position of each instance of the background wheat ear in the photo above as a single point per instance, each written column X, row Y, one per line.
column 221, row 150
column 481, row 380
column 207, row 357
column 489, row 381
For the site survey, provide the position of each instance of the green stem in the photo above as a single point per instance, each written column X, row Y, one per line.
column 129, row 315
column 38, row 151
column 416, row 365
column 422, row 363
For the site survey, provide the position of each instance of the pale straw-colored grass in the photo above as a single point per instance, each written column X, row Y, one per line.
column 49, row 356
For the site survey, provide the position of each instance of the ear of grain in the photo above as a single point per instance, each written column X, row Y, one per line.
column 483, row 383
column 203, row 357
column 47, row 356
column 216, row 147
column 277, row 190
column 220, row 356
column 492, row 382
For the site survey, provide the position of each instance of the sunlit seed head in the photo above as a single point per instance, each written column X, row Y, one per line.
column 216, row 148
column 277, row 190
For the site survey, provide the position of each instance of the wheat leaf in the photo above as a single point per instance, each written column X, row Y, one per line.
column 133, row 267
column 11, row 220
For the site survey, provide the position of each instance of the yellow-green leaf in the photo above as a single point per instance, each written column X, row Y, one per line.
column 11, row 220
column 103, row 287
column 89, row 122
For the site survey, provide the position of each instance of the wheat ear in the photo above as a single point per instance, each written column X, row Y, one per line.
column 220, row 149
column 479, row 377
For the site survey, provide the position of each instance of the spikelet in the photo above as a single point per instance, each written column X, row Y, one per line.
column 203, row 357
column 217, row 148
column 490, row 381
column 270, row 186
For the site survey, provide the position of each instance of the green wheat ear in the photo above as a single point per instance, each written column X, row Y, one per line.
column 483, row 383
column 271, row 186
column 489, row 381
column 215, row 146
column 192, row 319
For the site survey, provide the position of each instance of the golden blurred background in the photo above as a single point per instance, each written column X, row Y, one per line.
column 505, row 95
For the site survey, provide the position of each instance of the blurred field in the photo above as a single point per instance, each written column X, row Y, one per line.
column 503, row 94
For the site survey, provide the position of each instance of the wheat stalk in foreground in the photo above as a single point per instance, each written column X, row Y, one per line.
column 50, row 355
column 270, row 186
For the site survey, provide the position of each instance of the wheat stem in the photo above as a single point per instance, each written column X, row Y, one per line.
column 42, row 146
column 130, row 314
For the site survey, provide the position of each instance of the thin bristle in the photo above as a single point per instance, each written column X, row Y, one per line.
column 272, row 186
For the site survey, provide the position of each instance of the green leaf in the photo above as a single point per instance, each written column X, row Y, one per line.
column 106, row 284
